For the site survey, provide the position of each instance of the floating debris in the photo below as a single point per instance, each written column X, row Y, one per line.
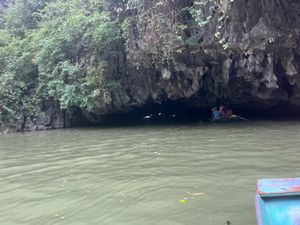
column 196, row 194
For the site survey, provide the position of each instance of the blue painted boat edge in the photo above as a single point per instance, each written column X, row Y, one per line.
column 278, row 187
column 280, row 194
column 258, row 208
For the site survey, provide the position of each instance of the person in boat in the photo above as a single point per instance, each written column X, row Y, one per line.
column 225, row 112
column 215, row 114
column 229, row 113
column 222, row 111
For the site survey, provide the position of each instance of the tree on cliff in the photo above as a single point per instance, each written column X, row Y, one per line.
column 54, row 49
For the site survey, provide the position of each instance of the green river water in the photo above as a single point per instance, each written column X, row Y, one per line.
column 137, row 175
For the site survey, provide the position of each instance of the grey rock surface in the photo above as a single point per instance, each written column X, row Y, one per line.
column 260, row 66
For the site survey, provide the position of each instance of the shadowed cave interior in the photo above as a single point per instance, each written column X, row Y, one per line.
column 172, row 112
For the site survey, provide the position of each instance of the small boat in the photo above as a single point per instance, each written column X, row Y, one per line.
column 233, row 118
column 278, row 201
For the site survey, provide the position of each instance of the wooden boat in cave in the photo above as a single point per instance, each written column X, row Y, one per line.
column 278, row 201
column 229, row 119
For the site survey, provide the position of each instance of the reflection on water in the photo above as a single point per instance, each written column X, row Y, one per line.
column 138, row 175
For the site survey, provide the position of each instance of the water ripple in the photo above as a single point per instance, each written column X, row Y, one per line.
column 137, row 175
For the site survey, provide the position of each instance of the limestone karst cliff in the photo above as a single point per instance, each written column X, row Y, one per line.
column 241, row 53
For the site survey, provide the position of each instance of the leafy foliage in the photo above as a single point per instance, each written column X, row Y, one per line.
column 160, row 29
column 203, row 11
column 61, row 50
column 54, row 49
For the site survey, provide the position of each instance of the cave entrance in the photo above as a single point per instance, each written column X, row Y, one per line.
column 169, row 112
column 259, row 111
column 172, row 112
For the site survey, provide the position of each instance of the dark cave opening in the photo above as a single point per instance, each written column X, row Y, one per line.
column 259, row 111
column 172, row 112
column 169, row 112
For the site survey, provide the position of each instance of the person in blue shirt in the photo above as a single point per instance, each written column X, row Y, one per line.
column 215, row 114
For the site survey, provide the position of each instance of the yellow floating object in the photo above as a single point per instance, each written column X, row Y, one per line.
column 182, row 201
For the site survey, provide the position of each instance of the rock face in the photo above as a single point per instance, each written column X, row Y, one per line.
column 247, row 55
column 264, row 56
column 252, row 58
column 49, row 117
column 5, row 3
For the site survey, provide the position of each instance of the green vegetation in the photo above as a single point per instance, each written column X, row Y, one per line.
column 54, row 49
column 160, row 27
column 60, row 50
column 203, row 11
